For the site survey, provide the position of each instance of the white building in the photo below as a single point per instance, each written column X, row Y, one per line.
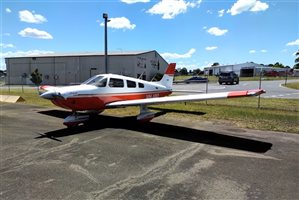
column 63, row 69
column 247, row 69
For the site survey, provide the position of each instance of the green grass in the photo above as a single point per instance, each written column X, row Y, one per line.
column 248, row 116
column 30, row 95
column 274, row 114
column 293, row 85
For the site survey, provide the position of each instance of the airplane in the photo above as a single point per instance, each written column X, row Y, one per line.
column 105, row 91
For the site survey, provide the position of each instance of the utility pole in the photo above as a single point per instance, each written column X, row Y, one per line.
column 105, row 16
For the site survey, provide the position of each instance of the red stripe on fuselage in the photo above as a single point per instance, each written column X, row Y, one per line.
column 98, row 102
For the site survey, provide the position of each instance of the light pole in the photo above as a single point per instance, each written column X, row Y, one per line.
column 105, row 16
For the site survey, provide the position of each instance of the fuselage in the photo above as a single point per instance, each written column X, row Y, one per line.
column 102, row 89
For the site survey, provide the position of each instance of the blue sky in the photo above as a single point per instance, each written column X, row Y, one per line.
column 192, row 33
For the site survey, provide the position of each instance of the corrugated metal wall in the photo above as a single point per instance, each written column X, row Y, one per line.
column 64, row 70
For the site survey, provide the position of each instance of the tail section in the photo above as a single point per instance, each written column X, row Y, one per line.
column 167, row 78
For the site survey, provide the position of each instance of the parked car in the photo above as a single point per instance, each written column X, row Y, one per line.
column 196, row 79
column 228, row 78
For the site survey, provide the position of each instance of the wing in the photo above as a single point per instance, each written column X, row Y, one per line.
column 183, row 98
column 187, row 91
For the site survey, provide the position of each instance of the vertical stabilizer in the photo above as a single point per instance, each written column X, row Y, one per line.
column 167, row 78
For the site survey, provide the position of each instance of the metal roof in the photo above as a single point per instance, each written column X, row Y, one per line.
column 112, row 53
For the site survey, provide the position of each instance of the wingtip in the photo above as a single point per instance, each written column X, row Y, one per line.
column 245, row 93
column 256, row 92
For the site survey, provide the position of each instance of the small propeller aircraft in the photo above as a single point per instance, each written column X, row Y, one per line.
column 110, row 90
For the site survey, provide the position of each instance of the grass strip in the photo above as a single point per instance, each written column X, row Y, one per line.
column 293, row 85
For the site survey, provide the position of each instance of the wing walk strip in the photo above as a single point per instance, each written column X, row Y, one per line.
column 183, row 98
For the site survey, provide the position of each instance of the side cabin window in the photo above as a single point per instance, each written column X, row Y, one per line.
column 131, row 84
column 115, row 82
column 140, row 85
column 102, row 83
column 98, row 81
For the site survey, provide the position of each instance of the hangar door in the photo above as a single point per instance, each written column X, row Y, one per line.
column 15, row 73
column 59, row 74
column 46, row 70
column 247, row 72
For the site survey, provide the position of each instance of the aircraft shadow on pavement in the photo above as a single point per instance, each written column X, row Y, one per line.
column 159, row 129
column 166, row 110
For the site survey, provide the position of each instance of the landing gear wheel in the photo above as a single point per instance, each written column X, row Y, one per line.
column 145, row 115
column 75, row 119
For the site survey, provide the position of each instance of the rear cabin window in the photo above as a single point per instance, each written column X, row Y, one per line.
column 140, row 85
column 131, row 84
column 115, row 82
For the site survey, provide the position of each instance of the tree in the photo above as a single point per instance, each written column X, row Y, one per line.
column 36, row 77
column 196, row 71
column 278, row 65
column 296, row 66
column 184, row 71
column 215, row 64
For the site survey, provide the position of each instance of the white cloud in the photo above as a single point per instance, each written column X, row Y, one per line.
column 221, row 13
column 24, row 53
column 293, row 43
column 247, row 5
column 7, row 10
column 254, row 51
column 4, row 46
column 171, row 8
column 177, row 56
column 217, row 31
column 29, row 17
column 120, row 23
column 19, row 54
column 135, row 1
column 35, row 33
column 211, row 48
column 209, row 12
column 259, row 6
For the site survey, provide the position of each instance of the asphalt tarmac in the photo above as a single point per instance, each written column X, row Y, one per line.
column 119, row 158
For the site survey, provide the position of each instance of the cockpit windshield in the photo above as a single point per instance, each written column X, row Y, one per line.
column 99, row 81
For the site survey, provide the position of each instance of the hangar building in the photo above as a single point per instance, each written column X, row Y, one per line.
column 247, row 69
column 64, row 69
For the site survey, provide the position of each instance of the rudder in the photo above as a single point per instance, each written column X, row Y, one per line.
column 167, row 78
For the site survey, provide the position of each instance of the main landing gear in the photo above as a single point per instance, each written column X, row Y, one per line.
column 78, row 118
column 75, row 119
column 145, row 115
